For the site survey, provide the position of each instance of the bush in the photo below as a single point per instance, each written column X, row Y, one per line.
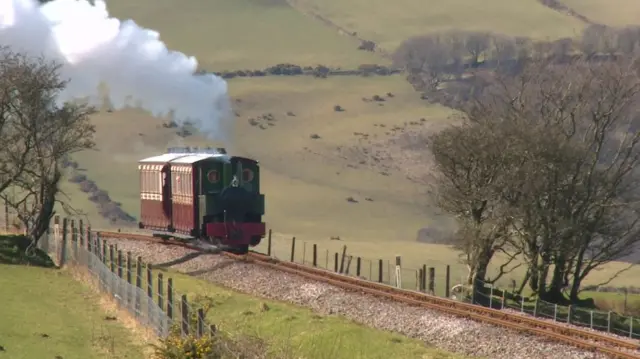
column 210, row 346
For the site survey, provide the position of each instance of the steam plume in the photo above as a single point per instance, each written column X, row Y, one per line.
column 136, row 66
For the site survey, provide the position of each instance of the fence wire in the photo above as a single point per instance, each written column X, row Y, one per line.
column 148, row 300
column 144, row 293
column 599, row 320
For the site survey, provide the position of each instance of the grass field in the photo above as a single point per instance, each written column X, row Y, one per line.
column 307, row 181
column 609, row 12
column 299, row 331
column 242, row 34
column 389, row 25
column 292, row 177
column 47, row 314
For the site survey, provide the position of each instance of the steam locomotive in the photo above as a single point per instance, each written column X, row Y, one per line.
column 203, row 194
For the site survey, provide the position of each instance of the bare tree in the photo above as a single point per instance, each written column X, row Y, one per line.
column 477, row 45
column 629, row 40
column 472, row 166
column 504, row 50
column 599, row 39
column 570, row 192
column 39, row 133
column 426, row 58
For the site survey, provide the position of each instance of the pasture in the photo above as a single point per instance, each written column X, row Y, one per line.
column 388, row 26
column 612, row 13
column 244, row 34
column 47, row 314
column 349, row 173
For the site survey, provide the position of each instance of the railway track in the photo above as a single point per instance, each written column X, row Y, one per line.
column 592, row 341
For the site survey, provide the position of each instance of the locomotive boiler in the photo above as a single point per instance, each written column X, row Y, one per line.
column 203, row 194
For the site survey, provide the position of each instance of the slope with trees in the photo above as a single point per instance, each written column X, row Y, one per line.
column 542, row 165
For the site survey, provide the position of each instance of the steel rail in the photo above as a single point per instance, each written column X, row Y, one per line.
column 617, row 348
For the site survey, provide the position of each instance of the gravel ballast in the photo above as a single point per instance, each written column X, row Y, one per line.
column 434, row 328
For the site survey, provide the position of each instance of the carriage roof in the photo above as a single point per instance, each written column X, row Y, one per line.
column 183, row 158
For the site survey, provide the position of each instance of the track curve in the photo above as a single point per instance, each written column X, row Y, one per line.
column 614, row 347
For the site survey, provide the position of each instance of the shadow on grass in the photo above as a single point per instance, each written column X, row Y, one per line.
column 177, row 261
column 13, row 251
column 210, row 269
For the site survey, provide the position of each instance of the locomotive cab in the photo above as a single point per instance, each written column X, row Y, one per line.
column 232, row 210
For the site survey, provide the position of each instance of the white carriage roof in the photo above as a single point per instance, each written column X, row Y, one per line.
column 181, row 158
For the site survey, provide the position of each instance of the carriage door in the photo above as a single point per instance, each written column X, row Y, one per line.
column 167, row 204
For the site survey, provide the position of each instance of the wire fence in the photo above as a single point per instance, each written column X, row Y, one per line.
column 438, row 280
column 611, row 322
column 153, row 301
column 136, row 287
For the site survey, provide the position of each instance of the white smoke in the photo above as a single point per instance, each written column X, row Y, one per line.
column 136, row 66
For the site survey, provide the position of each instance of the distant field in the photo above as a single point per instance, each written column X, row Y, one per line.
column 306, row 189
column 47, row 314
column 242, row 34
column 609, row 12
column 391, row 23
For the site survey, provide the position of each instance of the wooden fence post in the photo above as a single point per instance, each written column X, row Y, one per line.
column 138, row 284
column 346, row 269
column 398, row 272
column 358, row 266
column 344, row 253
column 74, row 239
column 185, row 315
column 269, row 244
column 170, row 298
column 91, row 237
column 63, row 247
column 6, row 216
column 200, row 331
column 161, row 301
column 119, row 264
column 315, row 255
column 90, row 240
column 104, row 249
column 293, row 249
column 432, row 280
column 424, row 278
column 335, row 262
column 127, row 289
column 149, row 293
column 447, row 281
column 380, row 271
column 112, row 263
column 81, row 233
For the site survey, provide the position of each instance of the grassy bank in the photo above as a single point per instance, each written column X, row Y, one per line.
column 295, row 331
column 47, row 314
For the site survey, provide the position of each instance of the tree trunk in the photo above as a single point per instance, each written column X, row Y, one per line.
column 577, row 276
column 554, row 293
column 477, row 284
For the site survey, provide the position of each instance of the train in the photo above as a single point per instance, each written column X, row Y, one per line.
column 202, row 194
